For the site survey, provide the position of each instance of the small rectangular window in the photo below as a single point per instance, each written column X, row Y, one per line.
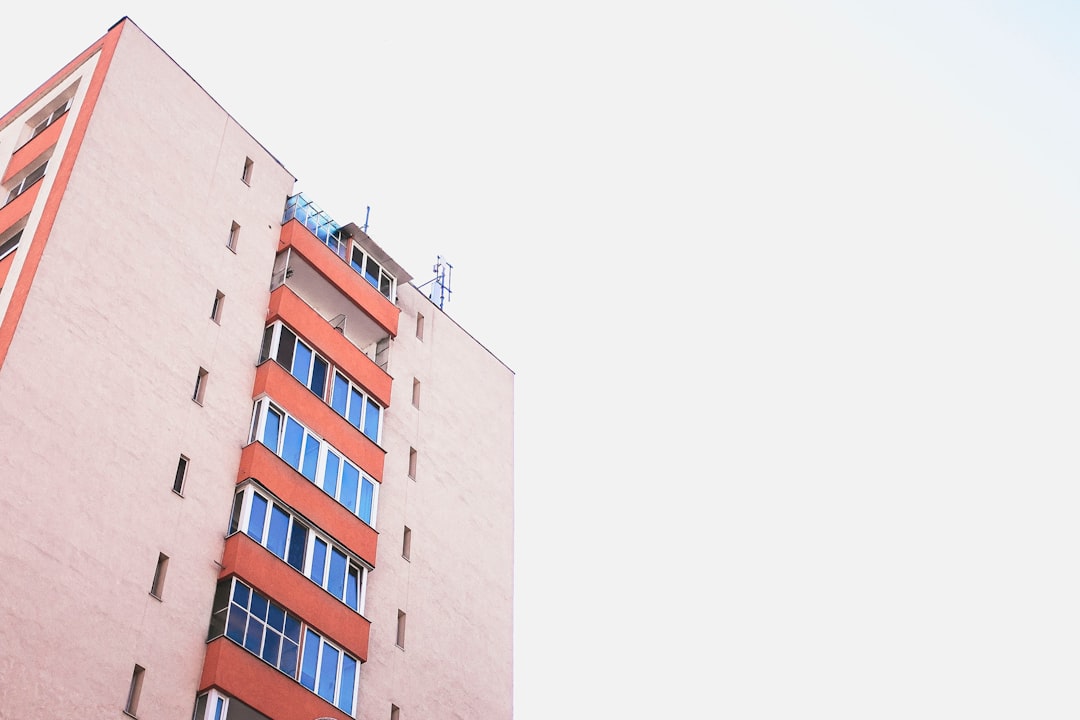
column 412, row 463
column 401, row 629
column 234, row 237
column 395, row 712
column 32, row 177
column 248, row 165
column 406, row 544
column 181, row 476
column 158, row 586
column 419, row 326
column 215, row 310
column 416, row 393
column 131, row 707
column 200, row 386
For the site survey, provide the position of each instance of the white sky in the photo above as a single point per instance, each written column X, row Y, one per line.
column 791, row 297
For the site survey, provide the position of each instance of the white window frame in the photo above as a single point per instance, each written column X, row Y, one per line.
column 248, row 490
column 351, row 386
column 27, row 181
column 319, row 668
column 57, row 113
column 263, row 405
column 383, row 273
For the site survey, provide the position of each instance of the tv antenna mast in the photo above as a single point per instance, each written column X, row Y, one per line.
column 440, row 284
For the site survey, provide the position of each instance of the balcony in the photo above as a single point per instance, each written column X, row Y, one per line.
column 310, row 410
column 263, row 570
column 256, row 684
column 316, row 251
column 257, row 461
column 286, row 305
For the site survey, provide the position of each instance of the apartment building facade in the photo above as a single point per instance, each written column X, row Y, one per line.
column 250, row 470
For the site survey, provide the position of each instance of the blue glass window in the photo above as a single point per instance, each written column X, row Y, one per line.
column 258, row 518
column 311, row 457
column 339, row 565
column 356, row 406
column 352, row 586
column 349, row 478
column 330, row 473
column 367, row 493
column 371, row 420
column 318, row 376
column 310, row 663
column 278, row 535
column 301, row 366
column 272, row 431
column 294, row 438
column 318, row 561
column 348, row 684
column 328, row 672
column 297, row 543
column 340, row 398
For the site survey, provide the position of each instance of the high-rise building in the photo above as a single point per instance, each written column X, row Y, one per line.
column 249, row 468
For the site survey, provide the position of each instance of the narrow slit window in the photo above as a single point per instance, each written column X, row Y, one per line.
column 181, row 476
column 200, row 386
column 234, row 237
column 249, row 164
column 401, row 629
column 412, row 463
column 419, row 326
column 131, row 707
column 215, row 310
column 158, row 586
column 395, row 712
column 406, row 544
column 416, row 393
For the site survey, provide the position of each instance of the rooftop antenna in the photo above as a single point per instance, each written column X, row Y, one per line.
column 366, row 216
column 440, row 290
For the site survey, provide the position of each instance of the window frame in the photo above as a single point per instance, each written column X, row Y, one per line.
column 264, row 406
column 245, row 495
column 380, row 277
column 28, row 180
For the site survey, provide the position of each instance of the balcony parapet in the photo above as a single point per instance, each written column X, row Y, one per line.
column 33, row 148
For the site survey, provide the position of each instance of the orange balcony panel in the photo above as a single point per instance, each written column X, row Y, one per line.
column 236, row 672
column 285, row 305
column 340, row 274
column 276, row 579
column 31, row 150
column 320, row 418
column 257, row 461
column 20, row 207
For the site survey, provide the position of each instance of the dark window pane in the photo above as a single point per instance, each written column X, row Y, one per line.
column 292, row 629
column 297, row 543
column 352, row 589
column 357, row 260
column 264, row 350
column 241, row 594
column 254, row 637
column 289, row 651
column 237, row 621
column 384, row 285
column 318, row 376
column 259, row 606
column 318, row 562
column 285, row 348
column 237, row 506
column 270, row 647
column 275, row 618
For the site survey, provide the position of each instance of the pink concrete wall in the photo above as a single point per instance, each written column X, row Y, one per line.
column 457, row 587
column 96, row 397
